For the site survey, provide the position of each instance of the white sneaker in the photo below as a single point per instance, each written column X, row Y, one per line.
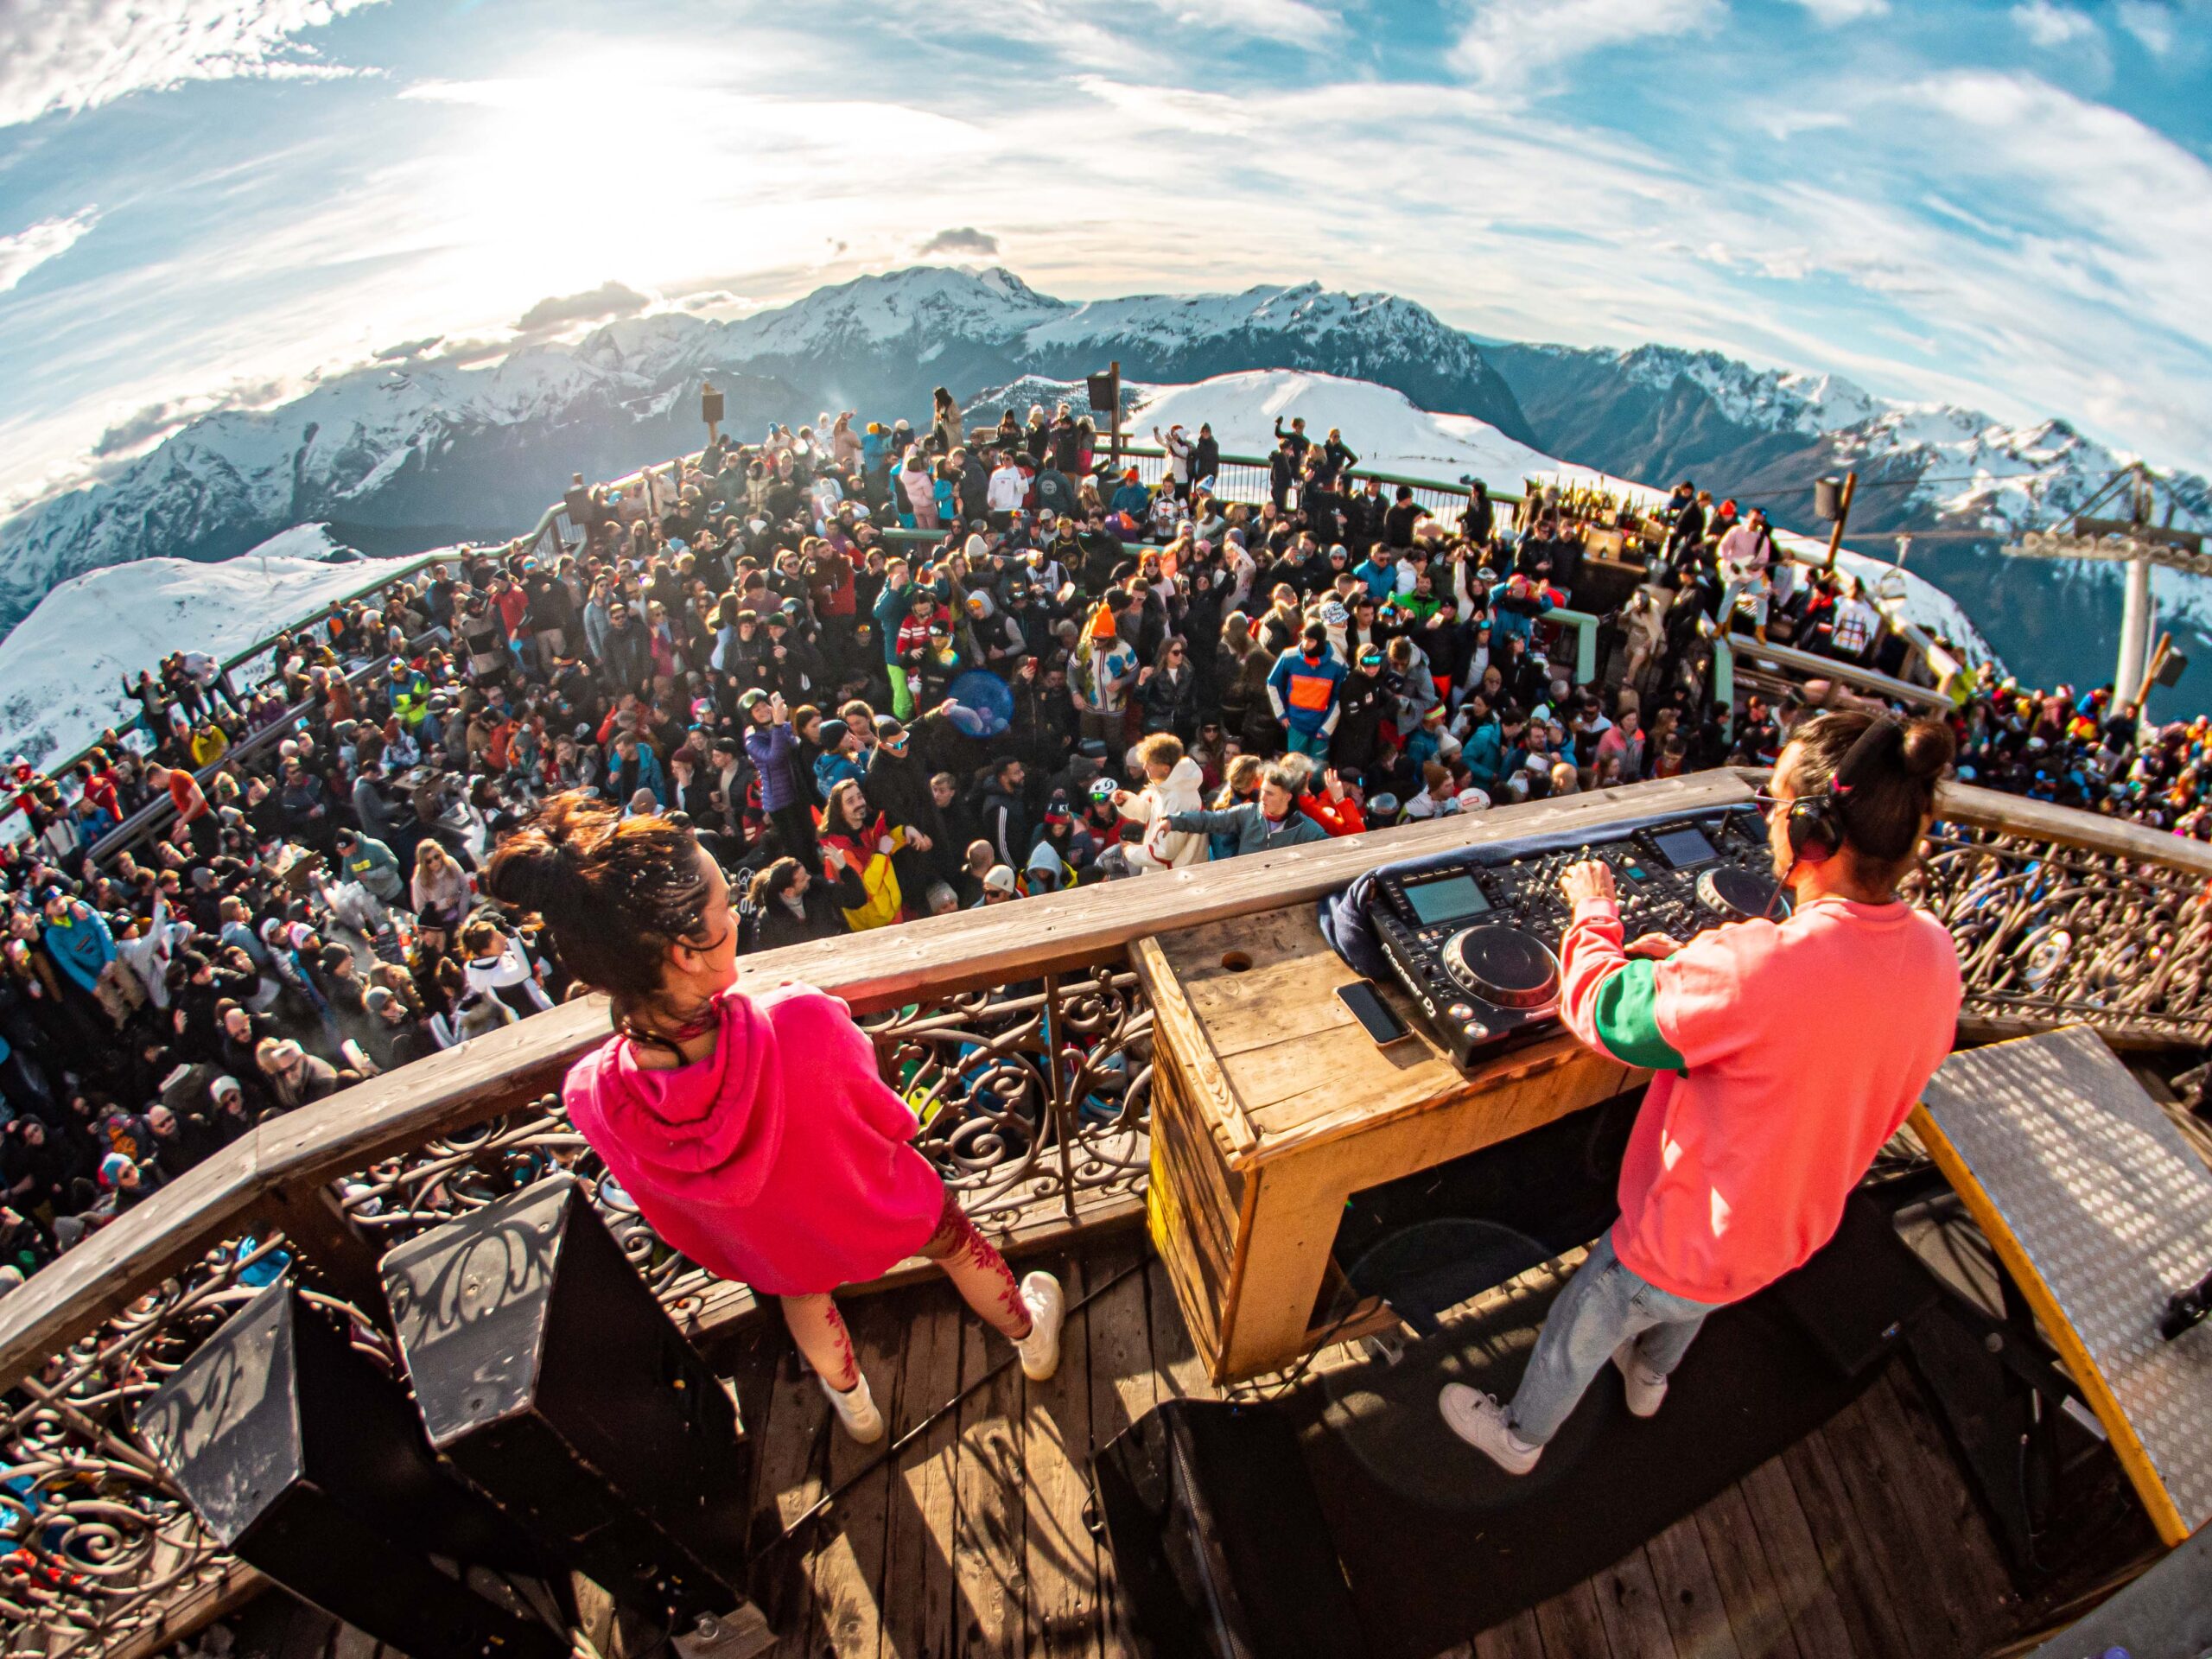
column 856, row 1410
column 1047, row 1305
column 1646, row 1388
column 1478, row 1420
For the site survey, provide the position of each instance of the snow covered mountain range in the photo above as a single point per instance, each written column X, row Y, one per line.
column 1661, row 414
column 61, row 678
column 1674, row 412
column 418, row 452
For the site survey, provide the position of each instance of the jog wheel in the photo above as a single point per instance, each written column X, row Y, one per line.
column 1739, row 894
column 1502, row 966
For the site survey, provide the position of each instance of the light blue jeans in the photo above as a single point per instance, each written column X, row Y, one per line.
column 1603, row 1306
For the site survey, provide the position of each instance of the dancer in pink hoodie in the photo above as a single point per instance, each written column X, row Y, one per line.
column 755, row 1134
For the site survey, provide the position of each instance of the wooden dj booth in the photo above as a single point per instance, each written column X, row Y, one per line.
column 1272, row 1106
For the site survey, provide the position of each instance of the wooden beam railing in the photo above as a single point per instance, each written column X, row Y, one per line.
column 389, row 573
column 151, row 819
column 1744, row 652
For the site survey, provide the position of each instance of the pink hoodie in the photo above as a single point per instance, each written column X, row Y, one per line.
column 780, row 1161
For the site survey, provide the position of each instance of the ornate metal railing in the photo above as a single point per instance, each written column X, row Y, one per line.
column 100, row 1544
column 2050, row 935
column 1032, row 1105
column 1020, row 1039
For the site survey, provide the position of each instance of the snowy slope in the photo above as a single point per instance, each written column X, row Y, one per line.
column 228, row 481
column 1390, row 434
column 1963, row 468
column 61, row 671
column 1389, row 431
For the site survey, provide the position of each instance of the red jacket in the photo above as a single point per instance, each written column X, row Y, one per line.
column 1338, row 817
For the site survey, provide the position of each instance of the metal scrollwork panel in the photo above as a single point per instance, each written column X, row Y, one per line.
column 1032, row 1095
column 98, row 1543
column 1032, row 1101
column 449, row 1178
column 2050, row 936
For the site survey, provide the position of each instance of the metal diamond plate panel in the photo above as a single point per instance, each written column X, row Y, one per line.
column 2113, row 1209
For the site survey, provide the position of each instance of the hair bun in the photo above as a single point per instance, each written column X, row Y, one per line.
column 1926, row 747
column 541, row 869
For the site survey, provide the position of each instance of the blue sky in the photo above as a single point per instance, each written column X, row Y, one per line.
column 2007, row 205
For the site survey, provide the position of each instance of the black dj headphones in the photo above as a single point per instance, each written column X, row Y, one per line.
column 1818, row 823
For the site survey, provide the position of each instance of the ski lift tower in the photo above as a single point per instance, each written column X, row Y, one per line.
column 2138, row 543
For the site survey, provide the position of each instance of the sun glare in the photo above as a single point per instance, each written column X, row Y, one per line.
column 587, row 172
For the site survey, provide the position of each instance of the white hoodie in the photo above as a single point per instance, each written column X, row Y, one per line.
column 1162, row 848
column 1007, row 489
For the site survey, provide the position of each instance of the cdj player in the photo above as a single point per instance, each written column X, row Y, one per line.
column 1477, row 942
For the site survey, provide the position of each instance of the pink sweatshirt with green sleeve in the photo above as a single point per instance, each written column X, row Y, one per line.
column 1784, row 1054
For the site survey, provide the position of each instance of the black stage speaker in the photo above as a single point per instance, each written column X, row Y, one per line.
column 549, row 1374
column 308, row 1463
column 1219, row 1544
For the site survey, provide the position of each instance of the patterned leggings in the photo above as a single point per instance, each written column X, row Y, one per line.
column 978, row 1272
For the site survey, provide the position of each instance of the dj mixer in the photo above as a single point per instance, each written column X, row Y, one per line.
column 1477, row 942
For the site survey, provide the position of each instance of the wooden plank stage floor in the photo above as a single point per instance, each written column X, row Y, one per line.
column 1862, row 1539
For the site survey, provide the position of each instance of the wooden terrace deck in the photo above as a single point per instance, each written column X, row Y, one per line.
column 1862, row 1541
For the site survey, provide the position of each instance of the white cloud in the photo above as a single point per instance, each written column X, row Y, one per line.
column 75, row 54
column 1294, row 22
column 2050, row 25
column 1834, row 13
column 1782, row 123
column 140, row 427
column 27, row 249
column 1277, row 19
column 609, row 299
column 2150, row 22
column 965, row 239
column 1507, row 42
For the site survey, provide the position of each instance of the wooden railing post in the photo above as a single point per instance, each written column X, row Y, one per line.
column 332, row 1247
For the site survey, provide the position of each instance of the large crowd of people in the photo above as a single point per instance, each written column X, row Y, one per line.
column 884, row 672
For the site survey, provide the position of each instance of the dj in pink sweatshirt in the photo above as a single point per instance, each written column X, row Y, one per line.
column 1785, row 1053
column 781, row 1160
